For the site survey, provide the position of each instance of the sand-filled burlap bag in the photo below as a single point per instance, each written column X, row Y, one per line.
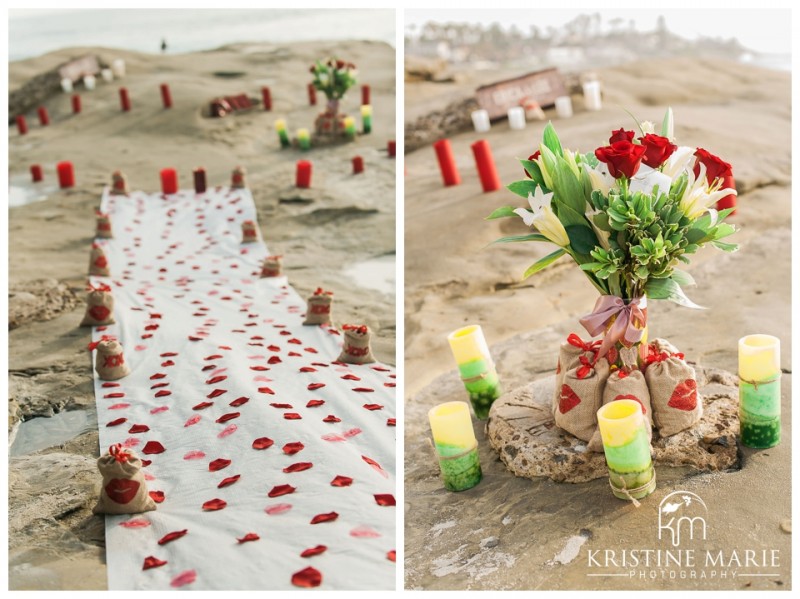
column 673, row 391
column 110, row 360
column 318, row 308
column 272, row 267
column 99, row 307
column 569, row 357
column 124, row 490
column 98, row 263
column 356, row 349
column 119, row 184
column 239, row 178
column 625, row 385
column 579, row 397
column 249, row 232
column 103, row 226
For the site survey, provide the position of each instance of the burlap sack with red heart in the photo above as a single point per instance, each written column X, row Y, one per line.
column 579, row 398
column 673, row 391
column 622, row 385
column 103, row 226
column 318, row 308
column 109, row 361
column 569, row 357
column 356, row 349
column 272, row 267
column 98, row 263
column 119, row 184
column 238, row 178
column 99, row 307
column 249, row 232
column 124, row 490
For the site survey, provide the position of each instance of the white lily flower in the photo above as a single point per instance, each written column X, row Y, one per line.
column 647, row 178
column 569, row 156
column 543, row 218
column 647, row 127
column 548, row 180
column 601, row 180
column 681, row 159
column 699, row 196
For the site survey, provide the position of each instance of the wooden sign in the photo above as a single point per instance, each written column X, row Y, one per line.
column 542, row 86
column 76, row 69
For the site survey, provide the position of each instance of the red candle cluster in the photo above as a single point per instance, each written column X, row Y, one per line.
column 36, row 173
column 44, row 118
column 266, row 96
column 364, row 95
column 166, row 96
column 358, row 165
column 303, row 174
column 22, row 125
column 124, row 99
column 312, row 95
column 169, row 181
column 486, row 168
column 199, row 179
column 390, row 147
column 447, row 162
column 66, row 175
column 76, row 104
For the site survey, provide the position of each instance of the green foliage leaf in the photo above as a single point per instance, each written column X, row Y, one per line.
column 681, row 277
column 519, row 238
column 551, row 141
column 522, row 188
column 581, row 239
column 543, row 263
column 502, row 212
column 725, row 247
column 669, row 290
column 532, row 168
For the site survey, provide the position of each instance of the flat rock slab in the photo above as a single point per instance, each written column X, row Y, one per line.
column 522, row 430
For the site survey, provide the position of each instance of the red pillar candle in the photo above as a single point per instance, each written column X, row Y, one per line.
column 729, row 201
column 76, row 104
column 169, row 181
column 358, row 165
column 390, row 147
column 485, row 163
column 199, row 179
column 66, row 175
column 124, row 99
column 22, row 125
column 365, row 95
column 166, row 96
column 312, row 95
column 36, row 173
column 266, row 96
column 447, row 162
column 44, row 118
column 303, row 174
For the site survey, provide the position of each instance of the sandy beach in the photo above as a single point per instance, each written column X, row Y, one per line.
column 339, row 235
column 514, row 533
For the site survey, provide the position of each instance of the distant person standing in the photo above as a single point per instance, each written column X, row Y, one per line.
column 163, row 45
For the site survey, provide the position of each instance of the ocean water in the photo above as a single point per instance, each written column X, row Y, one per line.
column 35, row 32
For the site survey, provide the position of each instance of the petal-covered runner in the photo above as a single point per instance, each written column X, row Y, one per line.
column 246, row 423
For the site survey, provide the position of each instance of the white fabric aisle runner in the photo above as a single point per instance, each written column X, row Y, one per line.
column 220, row 360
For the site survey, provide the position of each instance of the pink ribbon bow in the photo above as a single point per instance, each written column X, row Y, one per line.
column 93, row 345
column 100, row 287
column 628, row 321
column 119, row 455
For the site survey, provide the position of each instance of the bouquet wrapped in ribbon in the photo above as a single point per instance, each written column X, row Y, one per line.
column 628, row 214
column 333, row 77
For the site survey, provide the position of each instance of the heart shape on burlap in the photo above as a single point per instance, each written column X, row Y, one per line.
column 122, row 490
column 684, row 397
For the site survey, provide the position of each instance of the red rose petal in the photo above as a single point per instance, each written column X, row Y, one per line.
column 331, row 418
column 172, row 536
column 386, row 500
column 259, row 368
column 216, row 379
column 163, row 393
column 184, row 578
column 135, row 523
column 169, row 354
column 226, row 417
column 109, row 384
column 138, row 428
column 263, row 443
column 274, row 360
column 157, row 496
column 298, row 467
column 364, row 532
column 279, row 490
column 282, row 406
column 214, row 357
column 307, row 578
column 152, row 447
column 341, row 481
column 392, row 556
column 239, row 402
column 363, row 390
column 314, row 551
column 315, row 403
column 250, row 536
column 228, row 430
column 167, row 363
column 278, row 508
column 158, row 375
column 292, row 416
column 391, row 422
column 308, row 369
column 351, row 377
column 226, row 482
column 152, row 562
column 113, row 395
column 192, row 421
column 218, row 464
column 329, row 517
column 372, row 406
column 216, row 393
column 375, row 465
column 159, row 385
column 390, row 385
column 194, row 455
column 204, row 405
column 333, row 437
column 266, row 390
column 293, row 448
column 117, row 422
column 212, row 505
column 352, row 432
column 119, row 406
column 315, row 386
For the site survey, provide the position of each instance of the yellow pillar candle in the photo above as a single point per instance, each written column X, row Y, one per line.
column 350, row 127
column 476, row 367
column 626, row 442
column 760, row 390
column 366, row 118
column 280, row 127
column 456, row 445
column 304, row 139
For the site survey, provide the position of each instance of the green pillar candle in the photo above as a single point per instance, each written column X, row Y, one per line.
column 366, row 118
column 283, row 136
column 476, row 368
column 623, row 429
column 304, row 139
column 456, row 446
column 759, row 391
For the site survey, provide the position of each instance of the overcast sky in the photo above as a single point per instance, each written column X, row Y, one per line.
column 764, row 30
